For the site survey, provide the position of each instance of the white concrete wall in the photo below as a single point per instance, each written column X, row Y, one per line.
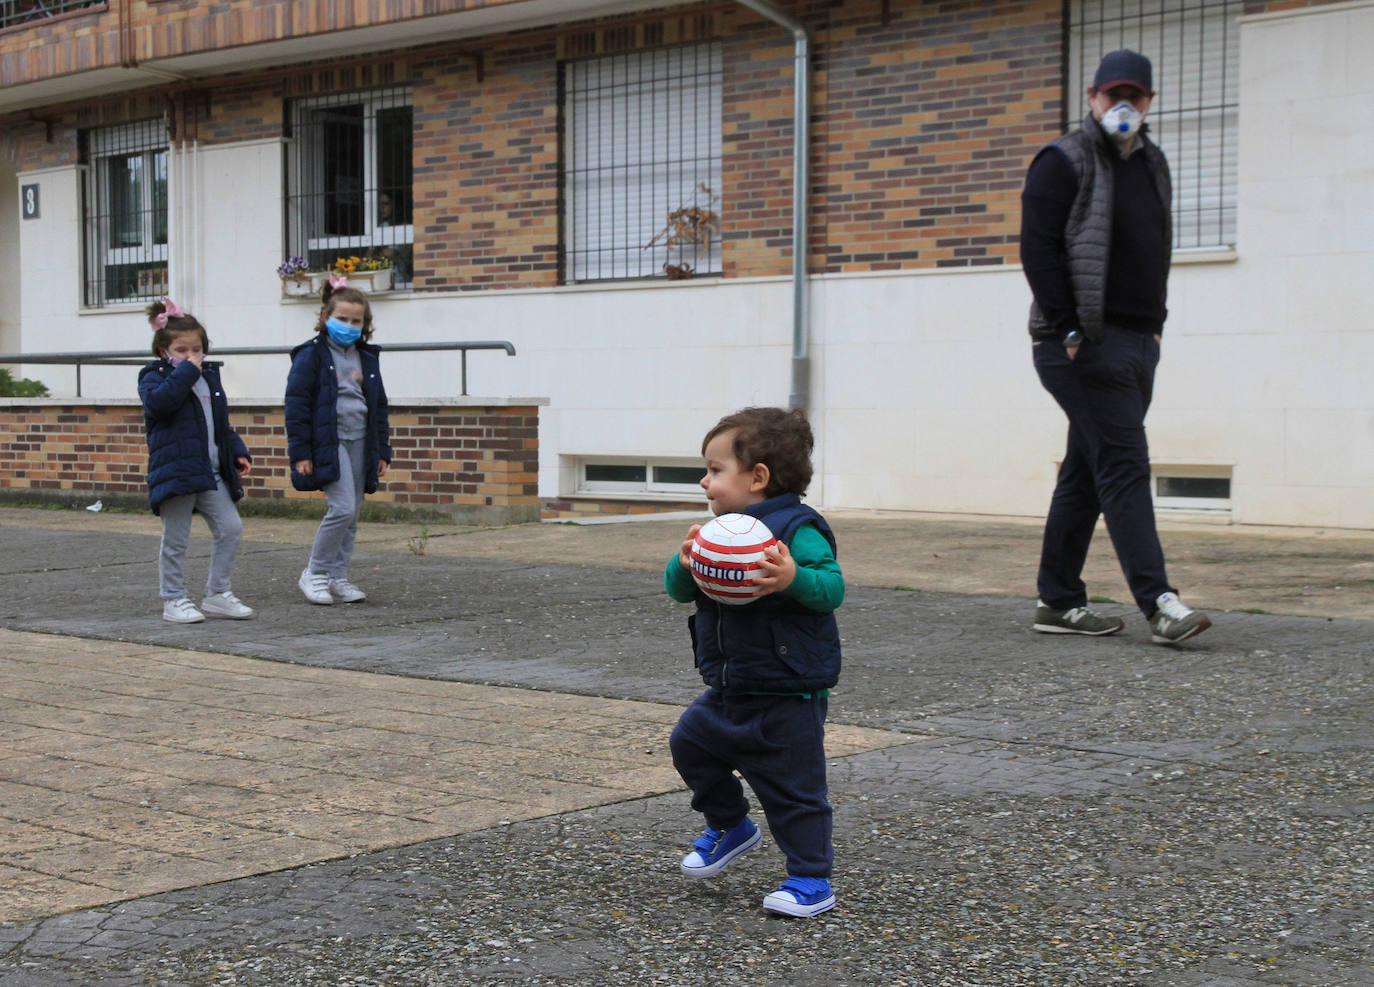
column 11, row 288
column 924, row 396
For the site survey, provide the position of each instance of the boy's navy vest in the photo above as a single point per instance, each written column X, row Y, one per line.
column 773, row 644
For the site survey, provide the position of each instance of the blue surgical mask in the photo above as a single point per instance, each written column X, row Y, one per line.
column 342, row 333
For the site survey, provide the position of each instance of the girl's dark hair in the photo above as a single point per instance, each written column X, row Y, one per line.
column 331, row 296
column 176, row 325
column 780, row 438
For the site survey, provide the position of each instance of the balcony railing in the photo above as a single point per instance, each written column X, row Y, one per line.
column 14, row 12
column 135, row 358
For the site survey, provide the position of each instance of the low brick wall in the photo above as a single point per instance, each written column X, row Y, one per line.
column 469, row 462
column 585, row 507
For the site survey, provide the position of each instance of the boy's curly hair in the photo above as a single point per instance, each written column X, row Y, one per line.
column 780, row 438
column 176, row 325
column 331, row 296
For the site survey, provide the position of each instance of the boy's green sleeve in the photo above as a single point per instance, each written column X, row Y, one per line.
column 819, row 584
column 678, row 581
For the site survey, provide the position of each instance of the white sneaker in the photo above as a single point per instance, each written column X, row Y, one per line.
column 1173, row 622
column 345, row 592
column 226, row 604
column 181, row 611
column 315, row 586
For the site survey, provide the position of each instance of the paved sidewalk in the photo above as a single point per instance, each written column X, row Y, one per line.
column 134, row 770
column 474, row 760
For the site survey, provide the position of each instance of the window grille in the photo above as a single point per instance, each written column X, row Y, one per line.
column 348, row 179
column 1195, row 48
column 125, row 213
column 14, row 12
column 641, row 164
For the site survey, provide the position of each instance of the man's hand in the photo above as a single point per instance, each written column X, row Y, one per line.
column 304, row 466
column 244, row 464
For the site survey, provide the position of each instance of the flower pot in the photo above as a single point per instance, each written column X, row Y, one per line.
column 297, row 288
column 371, row 282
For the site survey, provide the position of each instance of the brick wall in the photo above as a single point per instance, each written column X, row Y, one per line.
column 486, row 170
column 583, row 507
column 472, row 463
column 924, row 117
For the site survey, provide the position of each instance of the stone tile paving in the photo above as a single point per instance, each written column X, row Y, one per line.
column 1066, row 811
column 127, row 770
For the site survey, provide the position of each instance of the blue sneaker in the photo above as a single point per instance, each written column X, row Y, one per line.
column 801, row 897
column 715, row 848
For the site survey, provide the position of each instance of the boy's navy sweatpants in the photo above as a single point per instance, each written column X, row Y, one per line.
column 777, row 744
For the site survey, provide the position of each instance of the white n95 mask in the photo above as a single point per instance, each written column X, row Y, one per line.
column 1122, row 121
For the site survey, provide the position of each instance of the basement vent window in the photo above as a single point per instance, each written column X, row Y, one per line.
column 606, row 475
column 1193, row 488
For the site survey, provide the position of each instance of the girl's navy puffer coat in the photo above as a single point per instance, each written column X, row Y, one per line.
column 312, row 395
column 178, row 446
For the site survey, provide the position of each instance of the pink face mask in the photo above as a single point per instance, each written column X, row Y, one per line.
column 173, row 360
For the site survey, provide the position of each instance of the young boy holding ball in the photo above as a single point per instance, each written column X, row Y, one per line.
column 769, row 665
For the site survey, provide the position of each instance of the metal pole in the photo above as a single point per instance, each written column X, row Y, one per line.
column 801, row 142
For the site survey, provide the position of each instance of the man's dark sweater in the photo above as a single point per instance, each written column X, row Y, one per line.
column 1138, row 264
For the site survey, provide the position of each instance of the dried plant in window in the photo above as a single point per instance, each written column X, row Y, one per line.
column 690, row 225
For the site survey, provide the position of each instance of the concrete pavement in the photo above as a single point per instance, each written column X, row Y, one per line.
column 465, row 780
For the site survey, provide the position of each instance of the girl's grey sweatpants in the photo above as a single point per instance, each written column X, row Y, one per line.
column 334, row 541
column 222, row 517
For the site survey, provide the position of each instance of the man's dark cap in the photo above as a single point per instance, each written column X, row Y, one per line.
column 1124, row 68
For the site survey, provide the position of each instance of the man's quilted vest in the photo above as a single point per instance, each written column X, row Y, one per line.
column 1088, row 234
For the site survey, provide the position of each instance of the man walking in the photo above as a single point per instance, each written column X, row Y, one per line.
column 1096, row 237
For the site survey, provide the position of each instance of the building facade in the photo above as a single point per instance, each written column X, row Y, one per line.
column 608, row 184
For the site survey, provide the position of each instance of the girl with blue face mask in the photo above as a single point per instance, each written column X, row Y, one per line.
column 337, row 433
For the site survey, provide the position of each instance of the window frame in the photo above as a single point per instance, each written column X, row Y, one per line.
column 303, row 144
column 649, row 487
column 1192, row 471
column 1194, row 115
column 101, row 147
column 619, row 193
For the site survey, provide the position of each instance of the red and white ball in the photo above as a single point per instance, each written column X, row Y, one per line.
column 726, row 554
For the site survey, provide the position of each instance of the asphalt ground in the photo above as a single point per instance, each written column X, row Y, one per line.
column 1011, row 808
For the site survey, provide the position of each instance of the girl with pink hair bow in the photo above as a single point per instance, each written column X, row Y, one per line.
column 195, row 462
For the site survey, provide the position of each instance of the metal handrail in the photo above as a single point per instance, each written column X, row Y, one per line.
column 134, row 357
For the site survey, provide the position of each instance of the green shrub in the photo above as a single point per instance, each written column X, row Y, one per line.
column 22, row 388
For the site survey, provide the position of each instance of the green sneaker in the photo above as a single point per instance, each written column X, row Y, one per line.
column 1173, row 622
column 1075, row 620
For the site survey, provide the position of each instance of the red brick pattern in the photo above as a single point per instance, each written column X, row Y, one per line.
column 924, row 116
column 479, row 461
column 486, row 170
column 573, row 508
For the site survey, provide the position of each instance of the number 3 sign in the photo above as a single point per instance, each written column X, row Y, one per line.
column 29, row 207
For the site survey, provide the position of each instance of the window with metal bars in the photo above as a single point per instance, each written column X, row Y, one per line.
column 124, row 205
column 1195, row 49
column 348, row 179
column 641, row 164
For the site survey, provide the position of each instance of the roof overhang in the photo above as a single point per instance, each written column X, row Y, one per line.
column 202, row 67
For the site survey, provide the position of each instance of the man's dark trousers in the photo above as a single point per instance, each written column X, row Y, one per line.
column 1105, row 391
